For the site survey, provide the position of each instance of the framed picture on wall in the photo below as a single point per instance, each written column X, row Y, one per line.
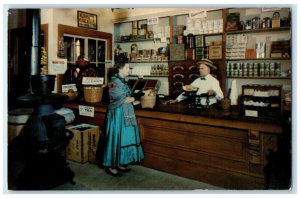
column 87, row 20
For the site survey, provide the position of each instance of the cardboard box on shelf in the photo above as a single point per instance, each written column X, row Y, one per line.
column 83, row 145
column 215, row 52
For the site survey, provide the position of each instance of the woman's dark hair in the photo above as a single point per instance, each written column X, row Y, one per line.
column 120, row 62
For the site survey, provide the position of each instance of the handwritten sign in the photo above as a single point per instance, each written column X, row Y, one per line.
column 92, row 81
column 59, row 66
column 86, row 110
column 198, row 14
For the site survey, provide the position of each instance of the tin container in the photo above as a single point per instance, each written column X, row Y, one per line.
column 134, row 48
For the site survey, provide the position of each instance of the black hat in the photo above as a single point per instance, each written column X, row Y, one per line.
column 207, row 62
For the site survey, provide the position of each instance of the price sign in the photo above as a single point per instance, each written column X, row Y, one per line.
column 152, row 21
column 92, row 81
column 198, row 14
column 67, row 87
column 86, row 110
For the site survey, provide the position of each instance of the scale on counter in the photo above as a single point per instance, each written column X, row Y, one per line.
column 202, row 101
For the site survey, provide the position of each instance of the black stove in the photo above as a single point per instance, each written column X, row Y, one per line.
column 42, row 143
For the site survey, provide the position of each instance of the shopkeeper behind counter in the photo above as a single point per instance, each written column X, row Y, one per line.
column 206, row 83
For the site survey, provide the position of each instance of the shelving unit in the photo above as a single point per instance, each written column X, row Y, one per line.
column 255, row 35
column 261, row 35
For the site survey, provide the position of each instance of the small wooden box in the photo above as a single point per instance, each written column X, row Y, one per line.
column 215, row 52
column 275, row 23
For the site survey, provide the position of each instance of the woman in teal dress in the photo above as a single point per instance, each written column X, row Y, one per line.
column 123, row 144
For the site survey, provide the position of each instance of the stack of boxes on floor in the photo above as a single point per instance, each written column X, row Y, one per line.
column 83, row 146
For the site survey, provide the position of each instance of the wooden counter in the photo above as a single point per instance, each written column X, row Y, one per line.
column 220, row 148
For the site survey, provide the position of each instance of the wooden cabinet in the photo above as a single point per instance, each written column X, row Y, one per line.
column 183, row 73
column 261, row 101
column 94, row 45
column 211, row 146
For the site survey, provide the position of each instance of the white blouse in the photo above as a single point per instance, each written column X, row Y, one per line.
column 204, row 84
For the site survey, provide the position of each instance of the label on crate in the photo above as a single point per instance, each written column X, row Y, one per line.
column 86, row 110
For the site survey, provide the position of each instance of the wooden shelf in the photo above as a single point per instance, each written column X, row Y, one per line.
column 257, row 59
column 259, row 30
column 259, row 77
column 164, row 76
column 150, row 62
column 211, row 34
column 139, row 40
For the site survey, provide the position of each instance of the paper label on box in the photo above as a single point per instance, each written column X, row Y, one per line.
column 86, row 110
column 251, row 113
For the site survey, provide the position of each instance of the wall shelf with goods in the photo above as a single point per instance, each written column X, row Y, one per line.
column 146, row 46
column 277, row 29
column 258, row 46
column 259, row 77
column 194, row 38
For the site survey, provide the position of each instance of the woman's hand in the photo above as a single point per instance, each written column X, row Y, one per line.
column 129, row 100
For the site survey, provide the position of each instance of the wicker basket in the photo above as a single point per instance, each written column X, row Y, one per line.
column 148, row 101
column 92, row 94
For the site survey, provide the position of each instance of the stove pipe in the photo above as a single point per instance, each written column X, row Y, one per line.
column 34, row 20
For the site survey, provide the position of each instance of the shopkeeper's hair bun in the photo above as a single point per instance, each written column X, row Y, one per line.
column 207, row 62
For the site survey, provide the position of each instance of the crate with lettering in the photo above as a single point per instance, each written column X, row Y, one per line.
column 263, row 101
column 83, row 145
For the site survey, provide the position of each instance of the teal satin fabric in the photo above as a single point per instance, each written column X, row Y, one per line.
column 123, row 144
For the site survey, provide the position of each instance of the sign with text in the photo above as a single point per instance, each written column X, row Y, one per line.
column 92, row 80
column 87, row 20
column 86, row 110
column 59, row 66
column 152, row 21
column 67, row 87
column 198, row 14
column 108, row 63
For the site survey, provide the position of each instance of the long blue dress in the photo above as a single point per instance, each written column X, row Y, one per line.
column 123, row 144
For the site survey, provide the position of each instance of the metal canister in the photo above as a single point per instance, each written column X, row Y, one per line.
column 267, row 69
column 272, row 69
column 278, row 69
column 134, row 48
column 262, row 69
column 250, row 69
column 245, row 69
column 228, row 68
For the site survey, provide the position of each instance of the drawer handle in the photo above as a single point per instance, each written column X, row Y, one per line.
column 178, row 84
column 192, row 67
column 178, row 75
column 178, row 67
column 194, row 76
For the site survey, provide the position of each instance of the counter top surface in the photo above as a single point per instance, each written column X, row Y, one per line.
column 215, row 111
